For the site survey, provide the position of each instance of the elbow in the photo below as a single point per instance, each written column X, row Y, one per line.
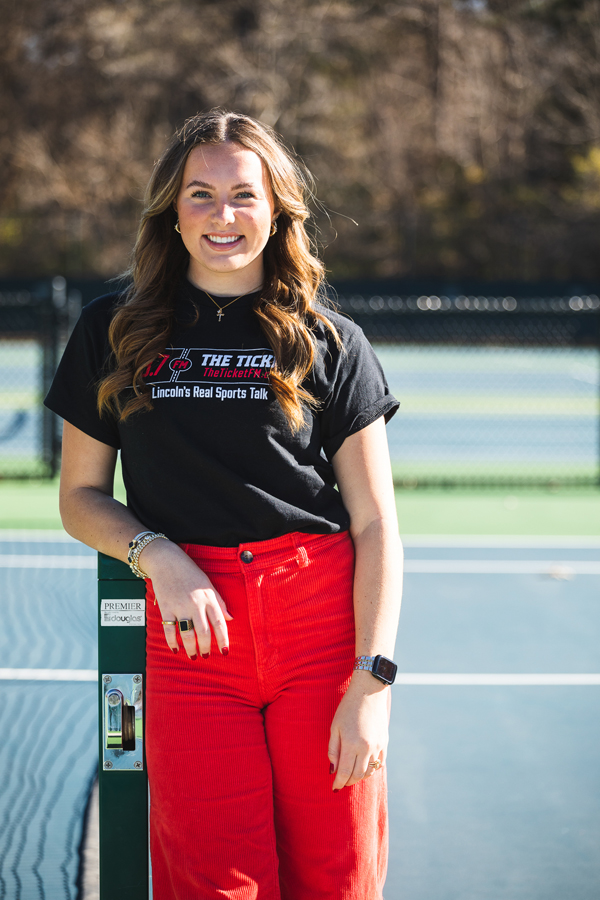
column 78, row 508
column 67, row 507
column 381, row 526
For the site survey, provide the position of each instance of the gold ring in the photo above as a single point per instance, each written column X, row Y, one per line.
column 186, row 625
column 165, row 622
column 376, row 764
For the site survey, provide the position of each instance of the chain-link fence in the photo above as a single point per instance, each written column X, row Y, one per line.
column 495, row 390
column 35, row 318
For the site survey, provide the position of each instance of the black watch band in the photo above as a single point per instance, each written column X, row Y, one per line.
column 382, row 668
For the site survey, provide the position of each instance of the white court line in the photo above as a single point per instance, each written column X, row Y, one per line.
column 36, row 535
column 37, row 561
column 550, row 567
column 405, row 678
column 501, row 679
column 568, row 541
column 524, row 541
column 48, row 675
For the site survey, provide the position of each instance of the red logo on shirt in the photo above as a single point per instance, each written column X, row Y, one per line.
column 211, row 366
column 180, row 365
column 154, row 368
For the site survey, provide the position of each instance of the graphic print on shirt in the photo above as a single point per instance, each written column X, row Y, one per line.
column 207, row 373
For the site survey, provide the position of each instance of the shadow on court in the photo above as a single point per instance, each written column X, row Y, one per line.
column 493, row 786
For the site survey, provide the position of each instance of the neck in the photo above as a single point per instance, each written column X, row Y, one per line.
column 234, row 284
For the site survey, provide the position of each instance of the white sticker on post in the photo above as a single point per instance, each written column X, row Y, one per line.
column 122, row 612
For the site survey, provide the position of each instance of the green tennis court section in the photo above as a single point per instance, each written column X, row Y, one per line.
column 32, row 504
column 493, row 412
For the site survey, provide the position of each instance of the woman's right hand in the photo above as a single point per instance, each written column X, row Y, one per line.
column 184, row 591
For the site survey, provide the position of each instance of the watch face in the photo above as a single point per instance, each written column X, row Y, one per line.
column 385, row 669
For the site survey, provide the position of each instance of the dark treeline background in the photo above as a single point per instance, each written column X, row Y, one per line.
column 462, row 138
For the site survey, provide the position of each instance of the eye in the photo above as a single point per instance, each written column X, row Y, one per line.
column 245, row 194
column 200, row 193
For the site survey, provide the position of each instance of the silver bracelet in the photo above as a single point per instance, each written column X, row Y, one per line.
column 135, row 548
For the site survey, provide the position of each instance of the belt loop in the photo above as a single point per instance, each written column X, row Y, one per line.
column 302, row 555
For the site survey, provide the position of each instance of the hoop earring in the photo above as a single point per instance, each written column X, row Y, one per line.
column 177, row 229
column 273, row 229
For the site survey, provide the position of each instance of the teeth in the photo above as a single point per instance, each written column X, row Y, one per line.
column 222, row 240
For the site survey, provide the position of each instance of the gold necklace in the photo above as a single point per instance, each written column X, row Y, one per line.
column 220, row 308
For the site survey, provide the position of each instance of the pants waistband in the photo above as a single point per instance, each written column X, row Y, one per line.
column 276, row 551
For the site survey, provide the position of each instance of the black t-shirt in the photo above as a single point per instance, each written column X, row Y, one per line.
column 215, row 462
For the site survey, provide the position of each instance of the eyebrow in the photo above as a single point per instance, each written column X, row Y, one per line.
column 211, row 187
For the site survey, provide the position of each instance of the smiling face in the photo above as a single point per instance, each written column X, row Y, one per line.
column 225, row 210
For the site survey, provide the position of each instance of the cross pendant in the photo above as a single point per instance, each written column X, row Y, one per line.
column 220, row 314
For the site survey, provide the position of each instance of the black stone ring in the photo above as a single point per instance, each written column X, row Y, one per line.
column 186, row 625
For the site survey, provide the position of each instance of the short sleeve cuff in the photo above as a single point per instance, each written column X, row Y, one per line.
column 386, row 406
column 105, row 435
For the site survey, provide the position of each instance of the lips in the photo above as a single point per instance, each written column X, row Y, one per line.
column 223, row 241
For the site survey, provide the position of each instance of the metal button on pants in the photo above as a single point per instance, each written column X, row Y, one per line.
column 241, row 798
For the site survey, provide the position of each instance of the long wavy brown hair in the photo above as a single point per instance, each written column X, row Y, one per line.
column 142, row 324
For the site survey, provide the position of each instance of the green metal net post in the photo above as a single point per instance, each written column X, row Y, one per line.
column 123, row 783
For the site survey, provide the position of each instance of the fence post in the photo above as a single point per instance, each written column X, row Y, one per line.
column 123, row 783
column 598, row 418
column 48, row 329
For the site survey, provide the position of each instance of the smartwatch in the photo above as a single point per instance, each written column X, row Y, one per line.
column 382, row 668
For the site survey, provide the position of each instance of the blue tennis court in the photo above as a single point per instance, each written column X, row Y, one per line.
column 493, row 764
column 494, row 786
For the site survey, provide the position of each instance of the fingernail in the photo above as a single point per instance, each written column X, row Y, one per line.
column 331, row 768
column 175, row 649
column 225, row 651
column 195, row 656
column 336, row 790
column 205, row 655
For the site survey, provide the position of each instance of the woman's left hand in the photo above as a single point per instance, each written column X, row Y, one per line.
column 359, row 731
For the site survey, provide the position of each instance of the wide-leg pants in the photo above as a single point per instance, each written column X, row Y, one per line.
column 241, row 795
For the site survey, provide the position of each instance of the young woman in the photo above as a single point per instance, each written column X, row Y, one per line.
column 251, row 424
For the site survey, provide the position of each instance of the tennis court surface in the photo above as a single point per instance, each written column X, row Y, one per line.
column 493, row 764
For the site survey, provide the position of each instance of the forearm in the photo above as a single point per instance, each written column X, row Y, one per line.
column 377, row 588
column 377, row 593
column 88, row 510
column 364, row 475
column 101, row 522
column 359, row 731
column 98, row 520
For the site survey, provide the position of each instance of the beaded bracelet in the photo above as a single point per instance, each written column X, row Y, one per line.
column 135, row 548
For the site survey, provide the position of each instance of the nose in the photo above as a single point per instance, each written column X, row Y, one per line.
column 223, row 214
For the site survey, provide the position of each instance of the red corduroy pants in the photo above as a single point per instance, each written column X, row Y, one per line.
column 240, row 790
